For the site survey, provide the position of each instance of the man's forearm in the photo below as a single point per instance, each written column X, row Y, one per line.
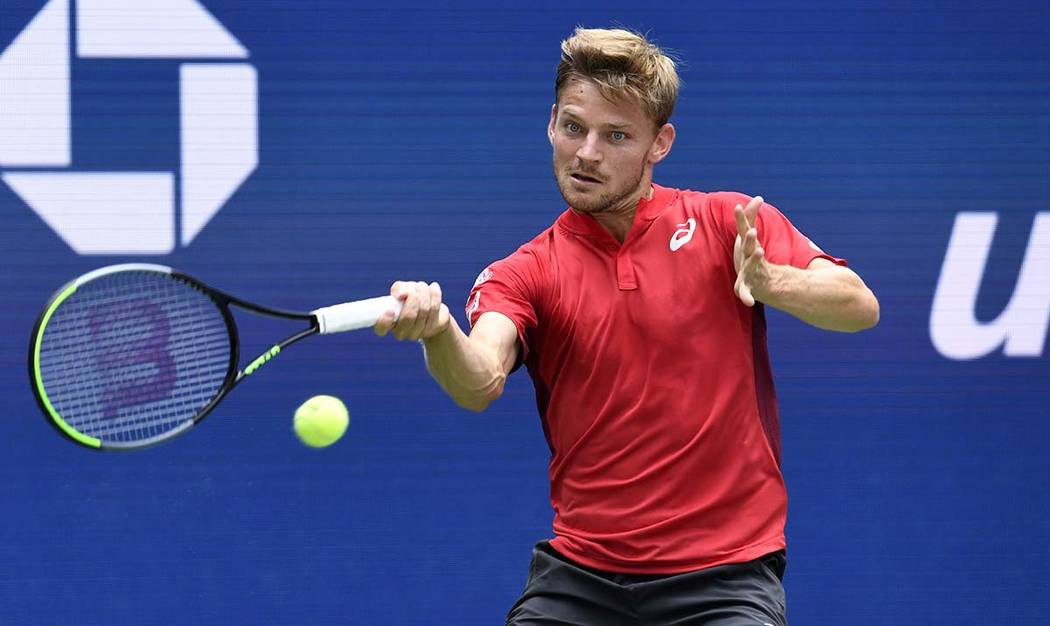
column 468, row 373
column 831, row 298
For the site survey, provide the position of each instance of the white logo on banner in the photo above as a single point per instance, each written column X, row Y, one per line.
column 1021, row 328
column 126, row 212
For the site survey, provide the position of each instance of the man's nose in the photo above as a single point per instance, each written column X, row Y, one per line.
column 590, row 150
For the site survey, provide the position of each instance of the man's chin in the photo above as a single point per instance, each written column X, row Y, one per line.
column 585, row 202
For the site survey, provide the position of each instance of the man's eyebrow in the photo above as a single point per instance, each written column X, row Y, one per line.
column 617, row 126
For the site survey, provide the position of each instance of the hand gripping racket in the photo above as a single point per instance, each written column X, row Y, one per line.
column 131, row 355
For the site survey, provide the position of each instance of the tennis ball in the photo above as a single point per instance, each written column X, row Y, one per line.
column 321, row 421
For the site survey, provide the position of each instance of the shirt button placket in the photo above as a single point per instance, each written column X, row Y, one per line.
column 625, row 279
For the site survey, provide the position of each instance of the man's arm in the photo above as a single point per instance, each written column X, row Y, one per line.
column 825, row 295
column 472, row 369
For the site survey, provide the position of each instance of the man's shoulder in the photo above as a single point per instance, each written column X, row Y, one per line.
column 711, row 199
column 535, row 246
column 542, row 238
column 716, row 205
column 527, row 255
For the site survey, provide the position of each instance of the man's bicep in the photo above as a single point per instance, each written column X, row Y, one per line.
column 496, row 333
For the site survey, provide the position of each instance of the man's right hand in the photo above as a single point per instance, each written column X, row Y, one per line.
column 423, row 315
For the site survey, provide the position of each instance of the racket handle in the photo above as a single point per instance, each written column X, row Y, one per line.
column 354, row 315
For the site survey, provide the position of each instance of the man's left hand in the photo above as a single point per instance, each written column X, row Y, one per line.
column 752, row 271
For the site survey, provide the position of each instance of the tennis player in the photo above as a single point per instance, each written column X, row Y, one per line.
column 639, row 316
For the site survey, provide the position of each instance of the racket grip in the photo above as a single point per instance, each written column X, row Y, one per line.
column 354, row 315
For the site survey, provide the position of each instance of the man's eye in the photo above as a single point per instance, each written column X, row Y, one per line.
column 573, row 127
column 618, row 135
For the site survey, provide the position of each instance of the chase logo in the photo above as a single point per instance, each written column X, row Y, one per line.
column 126, row 212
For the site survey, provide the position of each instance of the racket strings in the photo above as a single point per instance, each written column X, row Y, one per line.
column 133, row 356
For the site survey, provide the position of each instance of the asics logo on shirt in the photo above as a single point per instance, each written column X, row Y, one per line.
column 683, row 234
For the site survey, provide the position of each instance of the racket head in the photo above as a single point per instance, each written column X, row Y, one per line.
column 130, row 355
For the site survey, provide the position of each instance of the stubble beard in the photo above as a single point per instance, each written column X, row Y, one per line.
column 611, row 201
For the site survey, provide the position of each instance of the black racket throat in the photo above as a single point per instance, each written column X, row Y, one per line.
column 224, row 301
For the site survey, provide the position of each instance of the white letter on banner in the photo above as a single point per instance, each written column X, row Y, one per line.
column 1021, row 327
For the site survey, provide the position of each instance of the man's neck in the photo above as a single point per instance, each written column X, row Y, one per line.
column 617, row 221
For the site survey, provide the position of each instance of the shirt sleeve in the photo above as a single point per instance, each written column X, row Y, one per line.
column 511, row 287
column 782, row 242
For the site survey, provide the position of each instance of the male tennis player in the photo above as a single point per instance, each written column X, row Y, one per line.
column 639, row 315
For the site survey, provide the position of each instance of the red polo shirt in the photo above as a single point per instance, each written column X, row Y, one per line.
column 652, row 381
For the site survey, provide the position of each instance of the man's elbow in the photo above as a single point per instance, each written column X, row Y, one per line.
column 480, row 400
column 874, row 310
column 869, row 312
column 473, row 404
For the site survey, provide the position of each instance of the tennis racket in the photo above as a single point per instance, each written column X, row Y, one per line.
column 131, row 355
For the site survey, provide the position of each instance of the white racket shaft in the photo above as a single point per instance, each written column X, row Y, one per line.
column 354, row 315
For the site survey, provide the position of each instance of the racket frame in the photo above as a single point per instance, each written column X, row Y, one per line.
column 222, row 301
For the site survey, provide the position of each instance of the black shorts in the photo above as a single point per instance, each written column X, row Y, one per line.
column 560, row 591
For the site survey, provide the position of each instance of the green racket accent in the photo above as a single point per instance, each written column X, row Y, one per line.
column 263, row 358
column 69, row 430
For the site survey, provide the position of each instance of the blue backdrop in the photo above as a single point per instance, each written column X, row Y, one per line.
column 407, row 140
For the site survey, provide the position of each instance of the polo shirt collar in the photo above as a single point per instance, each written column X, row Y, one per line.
column 647, row 211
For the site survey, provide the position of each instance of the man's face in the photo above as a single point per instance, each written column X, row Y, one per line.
column 603, row 151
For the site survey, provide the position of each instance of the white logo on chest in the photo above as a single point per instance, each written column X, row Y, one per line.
column 683, row 234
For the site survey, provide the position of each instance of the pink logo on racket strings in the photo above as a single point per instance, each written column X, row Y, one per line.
column 134, row 371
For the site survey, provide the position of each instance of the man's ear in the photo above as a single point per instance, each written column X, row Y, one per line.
column 662, row 144
column 550, row 126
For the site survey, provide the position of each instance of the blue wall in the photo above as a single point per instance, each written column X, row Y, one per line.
column 407, row 141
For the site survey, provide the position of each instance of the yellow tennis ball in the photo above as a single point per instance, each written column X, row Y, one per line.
column 321, row 421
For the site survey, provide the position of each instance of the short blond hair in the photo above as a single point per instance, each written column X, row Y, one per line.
column 621, row 63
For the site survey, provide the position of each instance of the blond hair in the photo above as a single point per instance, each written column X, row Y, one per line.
column 621, row 63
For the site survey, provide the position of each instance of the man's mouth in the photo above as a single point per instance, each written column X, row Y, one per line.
column 584, row 178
